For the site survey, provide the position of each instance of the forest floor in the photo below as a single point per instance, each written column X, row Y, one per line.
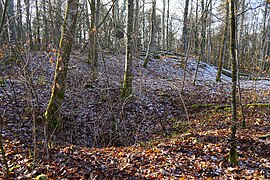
column 158, row 133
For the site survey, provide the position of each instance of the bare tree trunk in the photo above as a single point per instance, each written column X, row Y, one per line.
column 93, row 52
column 45, row 24
column 152, row 43
column 3, row 19
column 233, row 152
column 11, row 21
column 239, row 61
column 37, row 37
column 168, row 23
column 53, row 110
column 196, row 39
column 202, row 42
column 57, row 21
column 143, row 25
column 264, row 38
column 163, row 25
column 240, row 33
column 20, row 36
column 209, row 34
column 185, row 24
column 28, row 24
column 128, row 75
column 136, row 30
column 224, row 43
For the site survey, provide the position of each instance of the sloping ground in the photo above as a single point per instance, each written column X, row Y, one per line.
column 151, row 134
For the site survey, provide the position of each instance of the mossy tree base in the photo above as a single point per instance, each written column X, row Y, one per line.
column 53, row 110
column 233, row 156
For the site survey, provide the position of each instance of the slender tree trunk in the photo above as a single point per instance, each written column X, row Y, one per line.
column 45, row 24
column 163, row 25
column 128, row 75
column 115, row 22
column 3, row 153
column 239, row 61
column 196, row 39
column 53, row 110
column 168, row 23
column 97, row 27
column 233, row 152
column 85, row 9
column 37, row 26
column 52, row 23
column 267, row 52
column 136, row 24
column 264, row 43
column 185, row 24
column 240, row 32
column 152, row 43
column 20, row 36
column 93, row 53
column 87, row 22
column 3, row 21
column 11, row 21
column 1, row 11
column 28, row 24
column 57, row 21
column 209, row 34
column 224, row 43
column 202, row 43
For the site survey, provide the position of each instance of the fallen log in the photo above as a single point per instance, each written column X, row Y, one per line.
column 258, row 105
column 214, row 106
column 245, row 76
column 229, row 73
column 198, row 106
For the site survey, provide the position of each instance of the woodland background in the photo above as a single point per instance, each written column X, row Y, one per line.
column 129, row 89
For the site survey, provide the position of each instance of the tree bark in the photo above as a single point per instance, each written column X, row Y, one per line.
column 53, row 110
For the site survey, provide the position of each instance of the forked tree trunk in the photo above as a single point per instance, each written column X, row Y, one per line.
column 53, row 111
